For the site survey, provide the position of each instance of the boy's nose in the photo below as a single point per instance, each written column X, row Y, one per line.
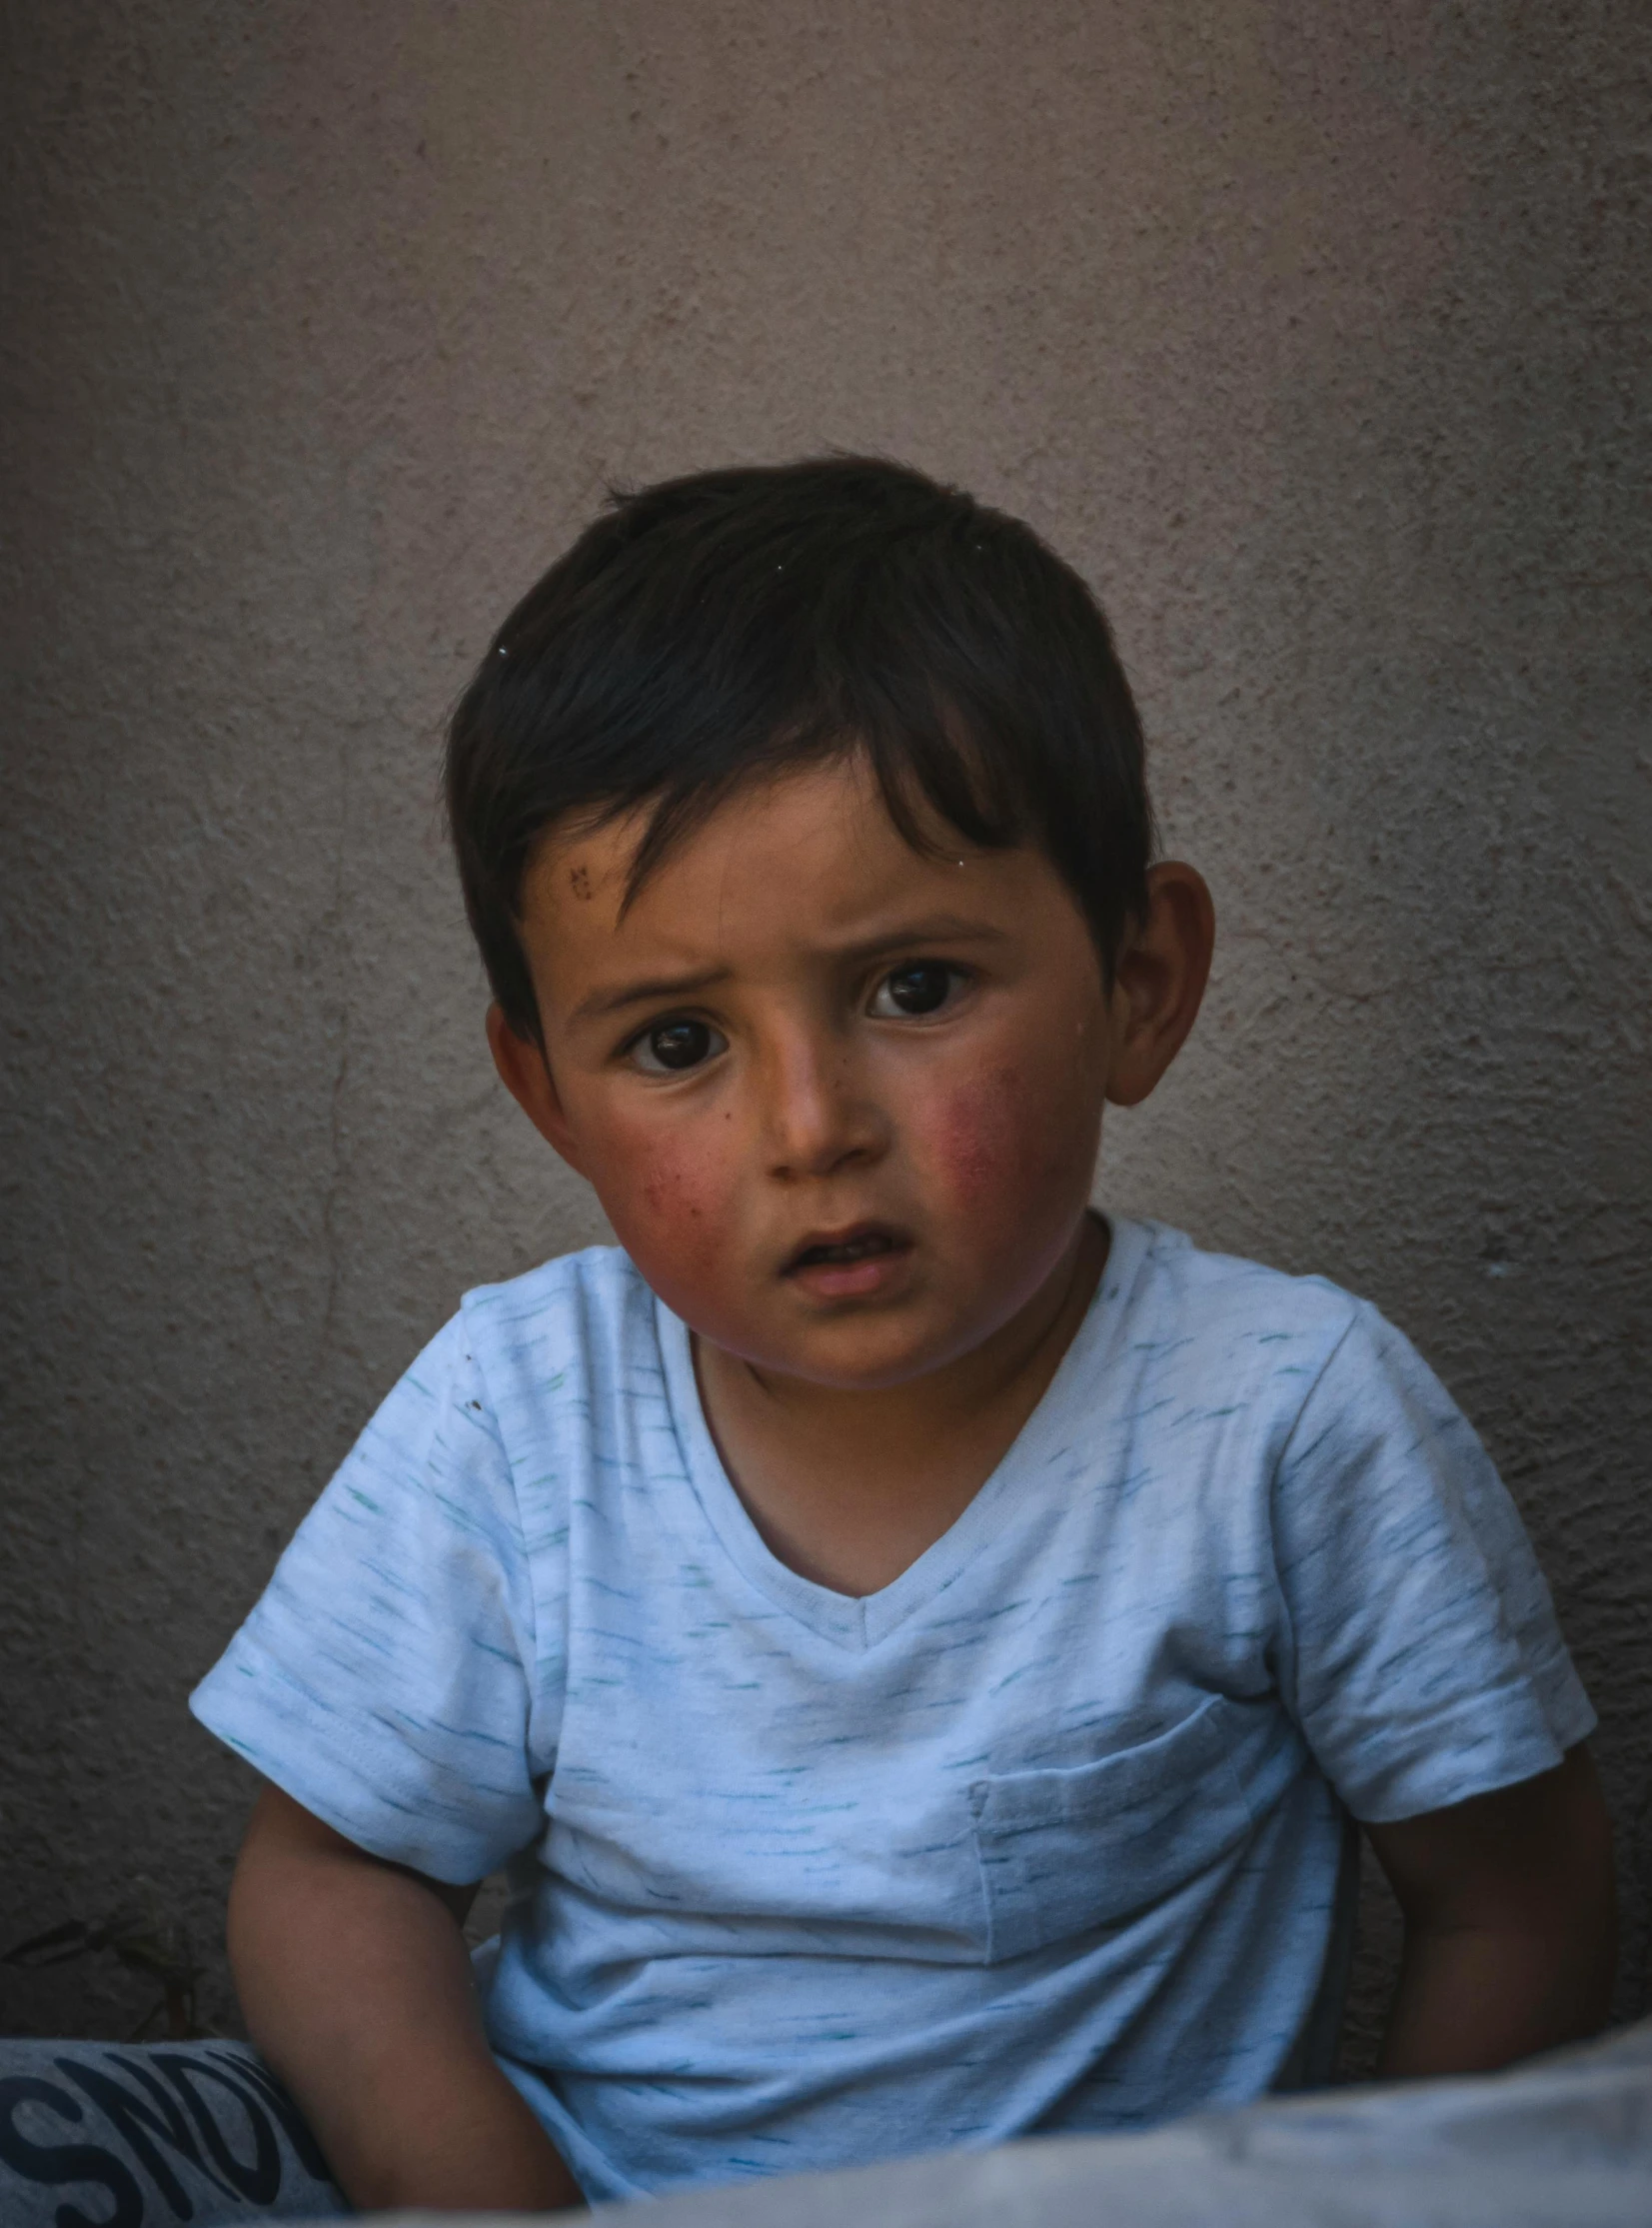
column 819, row 1115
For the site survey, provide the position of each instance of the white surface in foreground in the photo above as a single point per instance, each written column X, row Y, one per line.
column 1563, row 2143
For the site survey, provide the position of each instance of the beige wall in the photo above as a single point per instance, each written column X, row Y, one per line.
column 1311, row 333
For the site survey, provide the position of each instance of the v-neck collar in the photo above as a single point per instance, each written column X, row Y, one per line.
column 857, row 1622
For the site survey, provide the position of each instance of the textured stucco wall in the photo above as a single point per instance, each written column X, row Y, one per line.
column 1313, row 333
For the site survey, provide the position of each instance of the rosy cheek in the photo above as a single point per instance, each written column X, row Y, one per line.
column 981, row 1138
column 667, row 1204
column 674, row 1195
column 670, row 1196
column 1008, row 1144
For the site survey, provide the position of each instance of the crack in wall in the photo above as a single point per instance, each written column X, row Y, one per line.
column 338, row 921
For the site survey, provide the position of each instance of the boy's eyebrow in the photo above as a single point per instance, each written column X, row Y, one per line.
column 936, row 927
column 947, row 927
column 641, row 994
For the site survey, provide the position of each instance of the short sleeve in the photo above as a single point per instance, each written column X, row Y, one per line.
column 385, row 1680
column 1421, row 1655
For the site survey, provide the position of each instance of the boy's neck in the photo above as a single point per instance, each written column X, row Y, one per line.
column 850, row 1487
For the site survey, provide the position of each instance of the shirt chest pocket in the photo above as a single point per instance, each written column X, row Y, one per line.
column 1068, row 1851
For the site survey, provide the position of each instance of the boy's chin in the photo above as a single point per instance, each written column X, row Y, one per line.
column 876, row 1349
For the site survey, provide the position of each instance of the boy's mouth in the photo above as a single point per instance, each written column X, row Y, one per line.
column 840, row 1264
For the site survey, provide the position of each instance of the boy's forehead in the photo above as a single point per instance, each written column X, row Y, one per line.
column 808, row 860
column 824, row 830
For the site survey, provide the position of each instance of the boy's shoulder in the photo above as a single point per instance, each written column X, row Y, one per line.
column 602, row 1278
column 1206, row 1339
column 576, row 1309
column 1160, row 1274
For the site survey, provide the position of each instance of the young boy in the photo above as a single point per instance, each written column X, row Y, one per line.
column 916, row 1645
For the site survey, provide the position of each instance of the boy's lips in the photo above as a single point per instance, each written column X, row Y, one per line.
column 860, row 1258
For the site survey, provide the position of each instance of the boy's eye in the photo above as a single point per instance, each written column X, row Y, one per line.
column 923, row 988
column 671, row 1047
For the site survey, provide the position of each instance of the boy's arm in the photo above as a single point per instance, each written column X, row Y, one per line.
column 1510, row 1924
column 356, row 1986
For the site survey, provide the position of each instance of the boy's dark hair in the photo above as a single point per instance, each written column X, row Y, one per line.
column 740, row 623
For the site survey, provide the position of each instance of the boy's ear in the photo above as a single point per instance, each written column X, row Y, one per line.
column 1159, row 980
column 526, row 1073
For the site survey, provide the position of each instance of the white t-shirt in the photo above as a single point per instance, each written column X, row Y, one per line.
column 1047, row 1834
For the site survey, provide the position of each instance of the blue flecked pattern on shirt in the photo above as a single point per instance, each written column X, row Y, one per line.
column 1045, row 1836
